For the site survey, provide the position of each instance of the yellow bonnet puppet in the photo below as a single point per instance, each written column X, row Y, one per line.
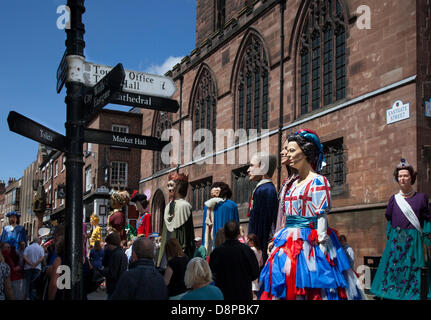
column 96, row 235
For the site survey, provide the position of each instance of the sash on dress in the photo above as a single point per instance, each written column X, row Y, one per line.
column 408, row 212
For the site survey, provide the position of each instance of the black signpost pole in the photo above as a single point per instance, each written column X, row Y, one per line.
column 74, row 157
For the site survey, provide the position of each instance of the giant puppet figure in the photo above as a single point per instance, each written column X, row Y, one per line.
column 96, row 234
column 13, row 233
column 217, row 211
column 117, row 218
column 141, row 201
column 307, row 260
column 264, row 202
column 177, row 218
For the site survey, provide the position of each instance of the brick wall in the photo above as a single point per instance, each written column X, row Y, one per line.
column 379, row 57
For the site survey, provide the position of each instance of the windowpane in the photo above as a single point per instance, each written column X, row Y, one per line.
column 241, row 107
column 323, row 42
column 334, row 170
column 200, row 193
column 205, row 104
column 253, row 97
column 119, row 173
column 249, row 102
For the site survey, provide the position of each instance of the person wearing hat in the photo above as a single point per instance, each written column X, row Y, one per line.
column 200, row 250
column 408, row 231
column 143, row 224
column 13, row 233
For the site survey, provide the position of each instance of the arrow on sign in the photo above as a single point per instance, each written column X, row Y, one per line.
column 144, row 101
column 102, row 92
column 123, row 139
column 35, row 131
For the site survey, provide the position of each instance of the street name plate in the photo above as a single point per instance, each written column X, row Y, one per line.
column 35, row 131
column 123, row 139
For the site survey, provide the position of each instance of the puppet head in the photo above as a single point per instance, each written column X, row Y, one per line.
column 94, row 220
column 119, row 199
column 177, row 185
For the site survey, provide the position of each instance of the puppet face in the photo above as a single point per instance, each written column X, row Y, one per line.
column 215, row 192
column 171, row 187
column 295, row 157
column 94, row 220
column 283, row 153
column 404, row 178
column 254, row 170
column 139, row 207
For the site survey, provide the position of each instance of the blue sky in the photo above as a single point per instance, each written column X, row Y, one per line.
column 144, row 35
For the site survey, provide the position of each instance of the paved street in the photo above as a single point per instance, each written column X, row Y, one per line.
column 99, row 294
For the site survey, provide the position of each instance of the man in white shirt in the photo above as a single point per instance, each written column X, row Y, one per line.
column 33, row 257
column 348, row 250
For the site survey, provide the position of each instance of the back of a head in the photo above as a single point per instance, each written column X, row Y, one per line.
column 173, row 248
column 59, row 231
column 143, row 248
column 231, row 230
column 220, row 238
column 267, row 163
column 197, row 273
column 113, row 239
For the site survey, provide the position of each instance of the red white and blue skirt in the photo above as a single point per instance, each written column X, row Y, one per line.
column 298, row 269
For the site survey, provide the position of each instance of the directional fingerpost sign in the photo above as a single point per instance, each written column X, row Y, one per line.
column 99, row 95
column 123, row 139
column 145, row 101
column 134, row 81
column 61, row 73
column 35, row 131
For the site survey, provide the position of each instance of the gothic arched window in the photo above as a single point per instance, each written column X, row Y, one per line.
column 322, row 56
column 163, row 122
column 253, row 87
column 205, row 103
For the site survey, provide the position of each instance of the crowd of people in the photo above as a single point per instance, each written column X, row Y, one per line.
column 289, row 252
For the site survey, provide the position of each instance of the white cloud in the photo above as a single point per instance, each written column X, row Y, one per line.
column 164, row 67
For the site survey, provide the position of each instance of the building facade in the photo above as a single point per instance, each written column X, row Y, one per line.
column 111, row 167
column 356, row 72
column 28, row 218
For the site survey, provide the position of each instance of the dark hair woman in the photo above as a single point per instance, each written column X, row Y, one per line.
column 307, row 260
column 408, row 230
column 176, row 269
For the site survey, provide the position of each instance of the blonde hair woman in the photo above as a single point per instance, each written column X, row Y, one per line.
column 198, row 277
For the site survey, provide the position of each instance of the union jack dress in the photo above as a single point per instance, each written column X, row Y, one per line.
column 298, row 266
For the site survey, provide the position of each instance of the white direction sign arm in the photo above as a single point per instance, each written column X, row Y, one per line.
column 139, row 82
column 135, row 81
